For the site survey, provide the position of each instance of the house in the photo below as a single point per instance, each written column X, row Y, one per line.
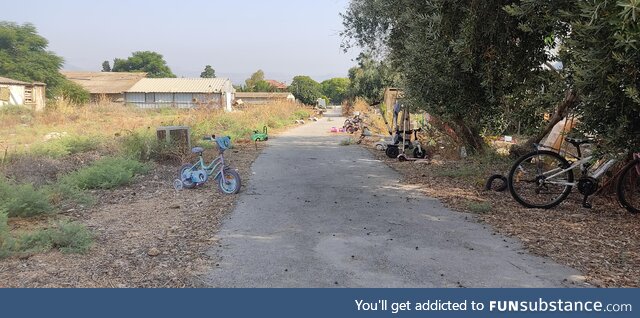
column 105, row 86
column 259, row 98
column 181, row 93
column 13, row 92
column 279, row 86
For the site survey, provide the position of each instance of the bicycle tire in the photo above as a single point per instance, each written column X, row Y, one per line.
column 518, row 197
column 503, row 186
column 237, row 182
column 187, row 183
column 627, row 172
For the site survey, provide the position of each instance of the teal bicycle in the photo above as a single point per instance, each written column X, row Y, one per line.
column 193, row 175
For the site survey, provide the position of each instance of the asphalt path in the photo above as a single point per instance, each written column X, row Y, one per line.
column 317, row 214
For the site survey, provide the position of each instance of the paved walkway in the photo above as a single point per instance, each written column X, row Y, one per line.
column 317, row 214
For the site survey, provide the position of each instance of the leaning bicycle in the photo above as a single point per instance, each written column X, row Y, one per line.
column 193, row 175
column 543, row 178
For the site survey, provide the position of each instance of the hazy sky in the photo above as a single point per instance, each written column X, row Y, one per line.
column 284, row 38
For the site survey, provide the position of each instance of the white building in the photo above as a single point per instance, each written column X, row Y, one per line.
column 31, row 95
column 181, row 93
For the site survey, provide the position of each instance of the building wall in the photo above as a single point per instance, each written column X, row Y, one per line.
column 15, row 96
column 39, row 97
column 179, row 100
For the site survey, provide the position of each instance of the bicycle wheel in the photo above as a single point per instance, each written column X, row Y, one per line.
column 536, row 180
column 184, row 174
column 231, row 182
column 628, row 187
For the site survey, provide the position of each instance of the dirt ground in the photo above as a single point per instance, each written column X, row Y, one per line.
column 603, row 242
column 145, row 235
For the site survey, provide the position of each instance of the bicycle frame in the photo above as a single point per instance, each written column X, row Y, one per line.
column 579, row 163
column 216, row 164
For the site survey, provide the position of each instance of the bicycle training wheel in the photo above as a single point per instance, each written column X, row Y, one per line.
column 536, row 180
column 230, row 183
column 628, row 187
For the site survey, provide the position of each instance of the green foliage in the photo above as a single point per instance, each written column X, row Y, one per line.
column 301, row 114
column 72, row 92
column 52, row 149
column 604, row 57
column 106, row 67
column 336, row 89
column 24, row 56
column 6, row 241
column 149, row 62
column 208, row 72
column 23, row 200
column 106, row 173
column 79, row 144
column 369, row 79
column 305, row 89
column 12, row 110
column 257, row 83
column 68, row 237
column 479, row 207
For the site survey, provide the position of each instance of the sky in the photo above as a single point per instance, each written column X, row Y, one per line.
column 284, row 38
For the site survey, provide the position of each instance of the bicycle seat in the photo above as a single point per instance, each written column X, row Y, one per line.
column 577, row 142
column 197, row 150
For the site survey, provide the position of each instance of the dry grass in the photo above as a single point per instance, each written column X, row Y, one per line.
column 23, row 130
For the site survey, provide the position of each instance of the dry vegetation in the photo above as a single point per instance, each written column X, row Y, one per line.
column 72, row 169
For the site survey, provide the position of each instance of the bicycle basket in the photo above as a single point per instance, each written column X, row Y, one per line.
column 223, row 142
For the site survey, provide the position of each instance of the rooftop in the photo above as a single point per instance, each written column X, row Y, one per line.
column 104, row 82
column 181, row 85
column 276, row 84
column 9, row 81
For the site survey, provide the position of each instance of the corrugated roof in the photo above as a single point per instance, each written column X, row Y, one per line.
column 262, row 95
column 104, row 82
column 181, row 85
column 9, row 81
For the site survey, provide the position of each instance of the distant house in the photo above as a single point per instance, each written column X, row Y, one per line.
column 257, row 98
column 279, row 86
column 109, row 86
column 181, row 93
column 13, row 92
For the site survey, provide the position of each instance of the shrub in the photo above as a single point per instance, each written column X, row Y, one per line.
column 479, row 207
column 139, row 145
column 68, row 237
column 6, row 243
column 67, row 195
column 23, row 200
column 106, row 173
column 52, row 149
column 79, row 144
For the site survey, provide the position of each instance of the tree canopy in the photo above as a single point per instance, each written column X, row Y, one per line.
column 369, row 79
column 305, row 89
column 480, row 64
column 149, row 62
column 106, row 67
column 336, row 89
column 24, row 56
column 257, row 83
column 208, row 72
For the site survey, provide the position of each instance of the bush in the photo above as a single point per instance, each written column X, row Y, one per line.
column 23, row 200
column 51, row 149
column 65, row 195
column 79, row 144
column 106, row 173
column 68, row 237
column 6, row 243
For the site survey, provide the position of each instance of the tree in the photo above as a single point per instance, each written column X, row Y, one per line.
column 149, row 62
column 336, row 89
column 458, row 59
column 106, row 67
column 208, row 72
column 604, row 58
column 24, row 56
column 251, row 82
column 369, row 79
column 305, row 89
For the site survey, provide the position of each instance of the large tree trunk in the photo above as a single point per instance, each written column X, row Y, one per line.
column 570, row 100
column 470, row 137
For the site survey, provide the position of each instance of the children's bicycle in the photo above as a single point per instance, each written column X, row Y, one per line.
column 193, row 175
column 544, row 178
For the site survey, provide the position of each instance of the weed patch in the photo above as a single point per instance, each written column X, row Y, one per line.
column 23, row 200
column 106, row 173
column 68, row 237
column 479, row 207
